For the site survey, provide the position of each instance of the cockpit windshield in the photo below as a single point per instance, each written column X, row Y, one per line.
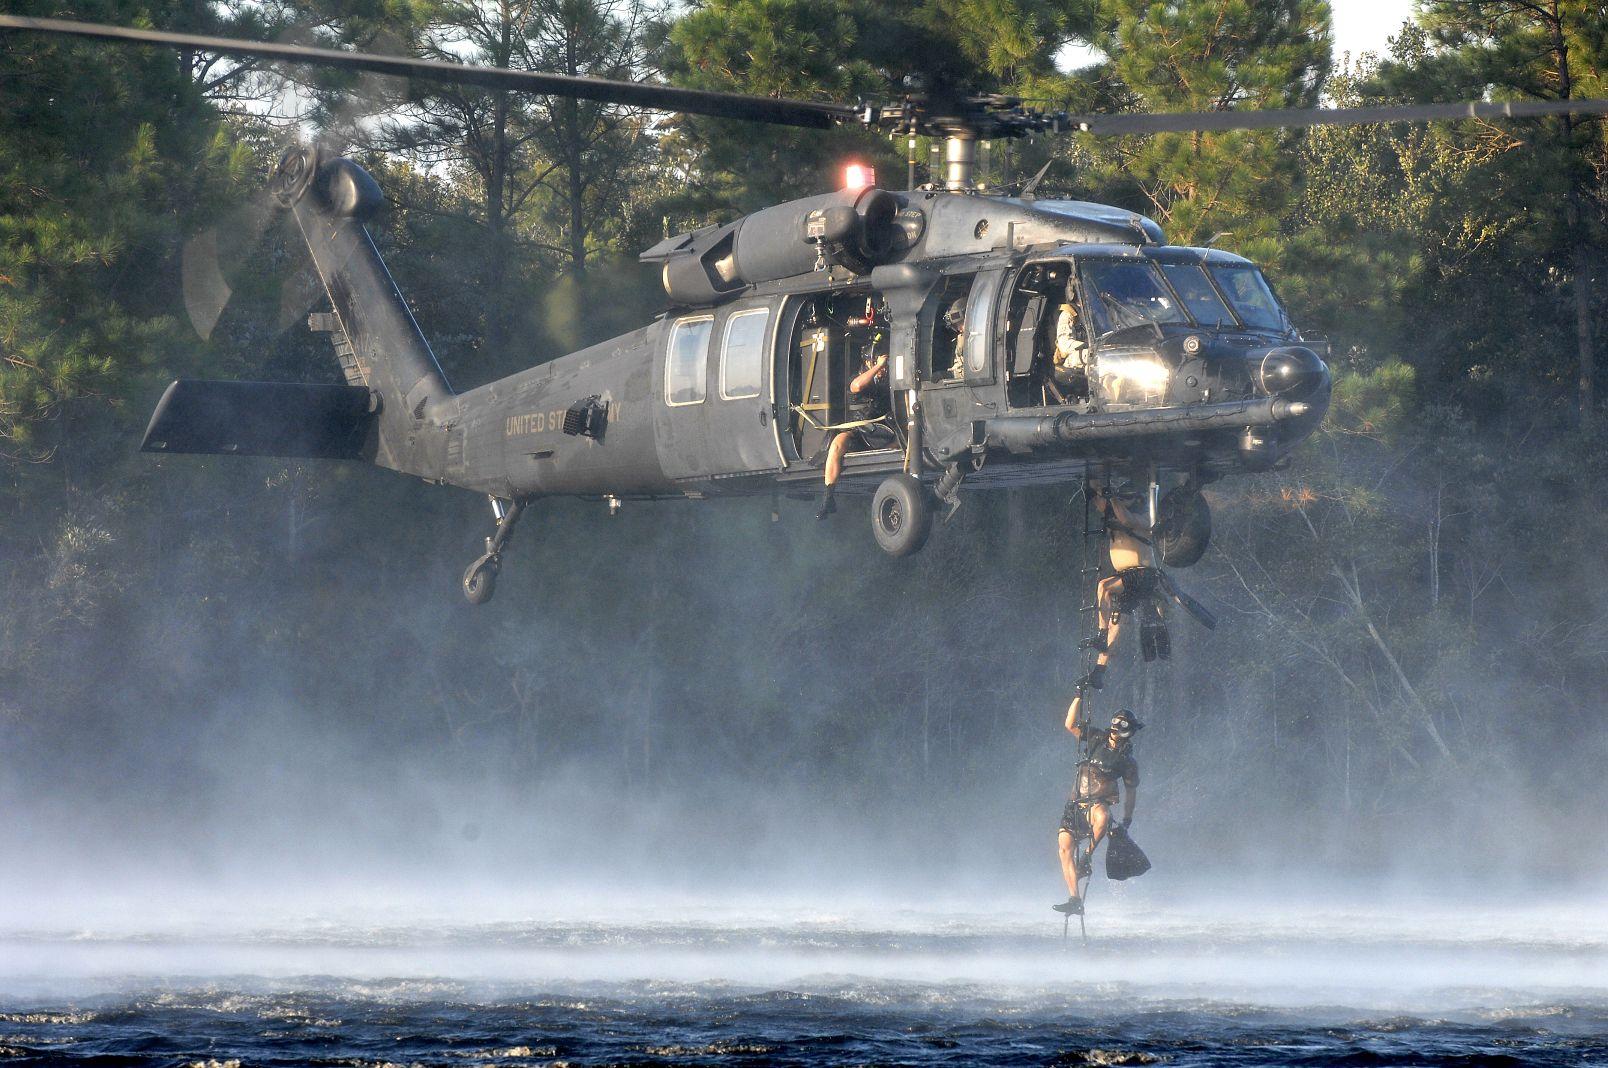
column 1248, row 291
column 1128, row 293
column 1189, row 281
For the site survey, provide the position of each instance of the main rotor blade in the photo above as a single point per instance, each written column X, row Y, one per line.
column 632, row 94
column 784, row 112
column 1275, row 118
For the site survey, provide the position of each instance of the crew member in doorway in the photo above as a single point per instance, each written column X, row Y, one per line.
column 1087, row 817
column 870, row 405
column 954, row 320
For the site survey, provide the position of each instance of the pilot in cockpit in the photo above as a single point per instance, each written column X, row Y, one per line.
column 1071, row 362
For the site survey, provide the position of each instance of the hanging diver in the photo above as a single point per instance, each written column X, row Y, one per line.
column 1107, row 761
column 1136, row 587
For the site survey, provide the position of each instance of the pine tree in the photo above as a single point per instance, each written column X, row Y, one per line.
column 1213, row 55
column 806, row 49
column 103, row 151
column 591, row 151
column 1551, row 50
column 841, row 50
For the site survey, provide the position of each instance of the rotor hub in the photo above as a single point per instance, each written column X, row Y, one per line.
column 962, row 121
column 293, row 173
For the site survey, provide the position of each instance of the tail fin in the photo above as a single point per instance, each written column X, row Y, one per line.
column 376, row 339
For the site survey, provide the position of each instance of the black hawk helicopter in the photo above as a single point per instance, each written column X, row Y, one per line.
column 1186, row 366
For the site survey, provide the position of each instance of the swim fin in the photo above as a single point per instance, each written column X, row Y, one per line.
column 1203, row 615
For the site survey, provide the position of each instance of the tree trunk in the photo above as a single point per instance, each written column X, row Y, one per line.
column 577, row 195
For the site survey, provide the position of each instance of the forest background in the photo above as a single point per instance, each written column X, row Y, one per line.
column 208, row 662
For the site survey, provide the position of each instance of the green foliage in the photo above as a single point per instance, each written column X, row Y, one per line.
column 808, row 49
column 101, row 149
column 1524, row 213
column 796, row 48
column 837, row 49
column 1188, row 56
column 1377, row 401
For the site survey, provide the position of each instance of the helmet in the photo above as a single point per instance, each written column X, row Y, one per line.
column 1125, row 723
column 955, row 315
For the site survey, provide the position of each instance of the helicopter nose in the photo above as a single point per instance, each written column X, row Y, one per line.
column 1292, row 371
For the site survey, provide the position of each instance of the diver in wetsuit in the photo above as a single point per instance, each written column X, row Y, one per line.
column 1133, row 589
column 1087, row 816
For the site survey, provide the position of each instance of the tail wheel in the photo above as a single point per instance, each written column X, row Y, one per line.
column 480, row 579
column 901, row 515
column 1184, row 527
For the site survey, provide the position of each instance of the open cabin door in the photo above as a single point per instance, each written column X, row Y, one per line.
column 714, row 418
column 826, row 340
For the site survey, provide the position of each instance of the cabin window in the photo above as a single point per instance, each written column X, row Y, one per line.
column 684, row 363
column 742, row 355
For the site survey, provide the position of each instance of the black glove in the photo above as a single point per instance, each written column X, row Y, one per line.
column 1125, row 821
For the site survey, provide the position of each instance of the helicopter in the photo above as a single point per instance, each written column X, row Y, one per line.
column 1188, row 367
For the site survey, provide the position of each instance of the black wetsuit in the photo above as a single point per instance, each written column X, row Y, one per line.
column 1140, row 586
column 1096, row 784
column 873, row 402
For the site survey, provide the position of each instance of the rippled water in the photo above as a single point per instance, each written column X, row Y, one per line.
column 1152, row 987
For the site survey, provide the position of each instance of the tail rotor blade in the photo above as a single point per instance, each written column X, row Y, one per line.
column 215, row 256
column 206, row 291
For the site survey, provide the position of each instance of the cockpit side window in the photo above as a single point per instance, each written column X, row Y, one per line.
column 1249, row 293
column 1198, row 294
column 1128, row 293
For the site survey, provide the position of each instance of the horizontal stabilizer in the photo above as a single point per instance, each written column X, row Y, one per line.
column 317, row 421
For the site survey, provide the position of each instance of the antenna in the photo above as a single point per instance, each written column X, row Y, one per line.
column 1033, row 183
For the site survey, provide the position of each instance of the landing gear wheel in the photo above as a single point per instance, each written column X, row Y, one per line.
column 1184, row 528
column 480, row 580
column 901, row 515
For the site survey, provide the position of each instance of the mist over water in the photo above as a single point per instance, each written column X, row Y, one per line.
column 1213, row 982
column 696, row 774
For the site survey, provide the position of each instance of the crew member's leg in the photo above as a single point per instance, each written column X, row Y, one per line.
column 1108, row 624
column 1111, row 619
column 834, row 468
column 1069, row 870
column 1073, row 827
column 1099, row 823
column 1103, row 592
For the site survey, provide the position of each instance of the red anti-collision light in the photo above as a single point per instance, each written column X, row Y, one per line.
column 859, row 176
